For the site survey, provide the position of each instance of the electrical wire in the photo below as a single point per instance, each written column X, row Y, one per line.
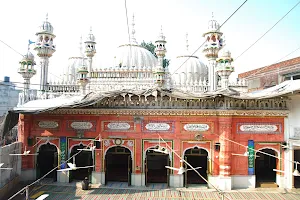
column 36, row 181
column 218, row 190
column 267, row 31
column 11, row 48
column 205, row 41
column 257, row 151
column 263, row 68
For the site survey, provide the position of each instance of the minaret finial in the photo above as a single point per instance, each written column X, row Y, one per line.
column 46, row 17
column 80, row 46
column 90, row 29
column 133, row 40
column 212, row 15
column 187, row 42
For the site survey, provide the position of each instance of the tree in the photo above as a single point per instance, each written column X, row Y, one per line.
column 151, row 47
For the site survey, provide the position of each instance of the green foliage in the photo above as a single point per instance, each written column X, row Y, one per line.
column 151, row 47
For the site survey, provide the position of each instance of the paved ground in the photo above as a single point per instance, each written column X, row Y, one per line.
column 73, row 191
column 70, row 192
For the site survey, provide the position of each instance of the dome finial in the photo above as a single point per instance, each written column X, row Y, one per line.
column 46, row 17
column 212, row 15
column 133, row 40
column 187, row 42
column 80, row 46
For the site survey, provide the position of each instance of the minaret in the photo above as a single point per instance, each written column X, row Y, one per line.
column 82, row 78
column 160, row 50
column 224, row 67
column 213, row 45
column 45, row 48
column 90, row 49
column 27, row 71
column 133, row 40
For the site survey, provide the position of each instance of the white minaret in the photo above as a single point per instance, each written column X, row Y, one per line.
column 45, row 48
column 82, row 78
column 90, row 49
column 27, row 71
column 160, row 50
column 213, row 45
column 224, row 67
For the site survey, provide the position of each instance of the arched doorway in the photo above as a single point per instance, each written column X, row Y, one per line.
column 47, row 159
column 84, row 158
column 264, row 165
column 155, row 167
column 118, row 165
column 296, row 159
column 196, row 157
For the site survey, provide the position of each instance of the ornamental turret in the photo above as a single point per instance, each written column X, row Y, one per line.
column 90, row 49
column 45, row 48
column 160, row 51
column 224, row 67
column 214, row 43
column 82, row 78
column 27, row 71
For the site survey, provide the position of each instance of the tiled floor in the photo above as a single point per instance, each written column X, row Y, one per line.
column 70, row 192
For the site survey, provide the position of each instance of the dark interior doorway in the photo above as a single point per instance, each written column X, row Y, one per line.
column 155, row 167
column 196, row 157
column 47, row 159
column 297, row 159
column 118, row 165
column 264, row 165
column 84, row 158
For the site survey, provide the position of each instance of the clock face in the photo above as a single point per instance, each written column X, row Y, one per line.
column 118, row 141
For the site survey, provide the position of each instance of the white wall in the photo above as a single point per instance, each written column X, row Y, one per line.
column 10, row 162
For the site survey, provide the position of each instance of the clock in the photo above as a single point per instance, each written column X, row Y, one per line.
column 118, row 141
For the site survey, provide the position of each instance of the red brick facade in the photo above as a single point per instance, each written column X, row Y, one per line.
column 138, row 139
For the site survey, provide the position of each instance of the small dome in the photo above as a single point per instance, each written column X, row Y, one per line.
column 90, row 37
column 213, row 25
column 193, row 70
column 46, row 27
column 29, row 56
column 134, row 57
column 224, row 54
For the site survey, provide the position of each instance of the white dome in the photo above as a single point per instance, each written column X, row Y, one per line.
column 224, row 53
column 134, row 57
column 192, row 71
column 46, row 27
column 29, row 56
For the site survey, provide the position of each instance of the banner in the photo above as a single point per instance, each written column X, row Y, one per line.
column 63, row 152
column 251, row 157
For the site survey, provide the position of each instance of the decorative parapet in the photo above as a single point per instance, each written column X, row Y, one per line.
column 171, row 112
column 165, row 101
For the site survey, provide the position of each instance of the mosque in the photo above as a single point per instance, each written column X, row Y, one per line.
column 141, row 116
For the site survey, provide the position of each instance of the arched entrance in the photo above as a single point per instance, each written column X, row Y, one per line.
column 196, row 157
column 47, row 159
column 155, row 167
column 264, row 165
column 296, row 159
column 118, row 165
column 84, row 158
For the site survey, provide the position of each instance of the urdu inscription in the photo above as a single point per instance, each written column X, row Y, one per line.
column 48, row 124
column 118, row 126
column 157, row 126
column 196, row 127
column 81, row 125
column 259, row 128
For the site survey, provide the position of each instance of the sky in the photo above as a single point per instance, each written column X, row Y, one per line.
column 19, row 21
